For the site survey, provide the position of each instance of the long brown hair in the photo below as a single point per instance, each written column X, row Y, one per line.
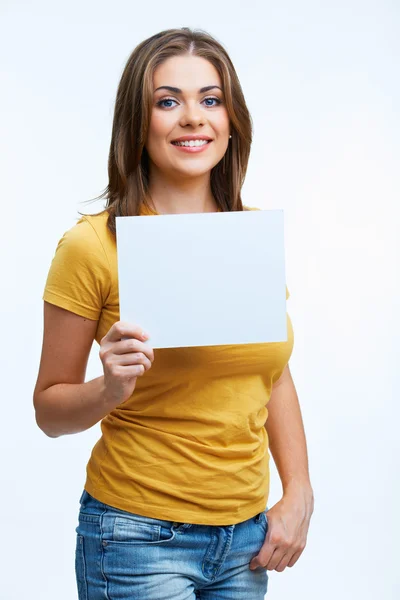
column 128, row 160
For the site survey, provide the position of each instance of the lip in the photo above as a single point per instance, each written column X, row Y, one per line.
column 187, row 138
column 192, row 149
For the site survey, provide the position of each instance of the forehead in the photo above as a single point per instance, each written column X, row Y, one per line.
column 189, row 73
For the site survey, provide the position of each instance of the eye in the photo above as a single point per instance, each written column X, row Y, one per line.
column 218, row 101
column 161, row 105
column 160, row 102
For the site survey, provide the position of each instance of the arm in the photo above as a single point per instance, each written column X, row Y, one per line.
column 77, row 288
column 288, row 519
column 286, row 435
column 63, row 403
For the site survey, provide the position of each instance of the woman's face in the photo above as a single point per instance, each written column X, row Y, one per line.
column 187, row 112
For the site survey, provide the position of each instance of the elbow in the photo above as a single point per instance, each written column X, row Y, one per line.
column 41, row 421
column 44, row 427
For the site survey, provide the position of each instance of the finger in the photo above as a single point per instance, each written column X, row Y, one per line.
column 134, row 358
column 295, row 558
column 122, row 329
column 129, row 371
column 281, row 566
column 133, row 345
column 275, row 559
column 262, row 557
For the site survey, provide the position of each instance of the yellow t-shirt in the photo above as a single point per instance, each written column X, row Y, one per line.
column 190, row 444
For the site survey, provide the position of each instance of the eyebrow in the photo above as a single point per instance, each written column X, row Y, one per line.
column 178, row 91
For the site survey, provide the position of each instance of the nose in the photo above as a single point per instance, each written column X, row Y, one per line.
column 193, row 115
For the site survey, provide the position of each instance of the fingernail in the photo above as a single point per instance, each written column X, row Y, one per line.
column 145, row 336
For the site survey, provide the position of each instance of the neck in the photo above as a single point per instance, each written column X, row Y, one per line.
column 181, row 195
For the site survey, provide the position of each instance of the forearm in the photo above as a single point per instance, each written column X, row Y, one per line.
column 287, row 440
column 67, row 408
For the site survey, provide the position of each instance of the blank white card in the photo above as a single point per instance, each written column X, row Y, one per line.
column 204, row 279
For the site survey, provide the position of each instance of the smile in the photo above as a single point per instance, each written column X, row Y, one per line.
column 191, row 143
column 193, row 146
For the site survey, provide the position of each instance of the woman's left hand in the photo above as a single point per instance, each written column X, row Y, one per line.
column 288, row 523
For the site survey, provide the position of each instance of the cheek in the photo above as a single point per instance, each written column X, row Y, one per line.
column 160, row 126
column 221, row 121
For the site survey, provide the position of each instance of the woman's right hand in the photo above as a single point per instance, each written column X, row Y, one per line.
column 124, row 360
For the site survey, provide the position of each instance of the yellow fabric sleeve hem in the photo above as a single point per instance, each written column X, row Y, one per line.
column 71, row 305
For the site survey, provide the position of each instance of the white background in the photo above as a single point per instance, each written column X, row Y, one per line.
column 321, row 80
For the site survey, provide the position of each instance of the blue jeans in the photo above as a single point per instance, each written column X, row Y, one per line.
column 125, row 556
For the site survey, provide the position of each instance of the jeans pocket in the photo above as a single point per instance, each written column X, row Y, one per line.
column 135, row 530
column 264, row 521
column 130, row 530
column 80, row 567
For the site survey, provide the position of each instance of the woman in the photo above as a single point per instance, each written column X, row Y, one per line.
column 174, row 504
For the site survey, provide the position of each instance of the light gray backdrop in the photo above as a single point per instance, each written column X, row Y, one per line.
column 322, row 83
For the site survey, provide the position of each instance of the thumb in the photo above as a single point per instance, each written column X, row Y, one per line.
column 254, row 563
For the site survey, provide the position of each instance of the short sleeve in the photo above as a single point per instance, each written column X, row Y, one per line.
column 79, row 275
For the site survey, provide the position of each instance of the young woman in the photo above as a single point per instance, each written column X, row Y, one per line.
column 174, row 504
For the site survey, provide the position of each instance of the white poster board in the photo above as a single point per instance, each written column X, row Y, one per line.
column 204, row 279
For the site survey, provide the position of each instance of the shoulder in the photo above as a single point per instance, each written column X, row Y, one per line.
column 79, row 278
column 84, row 244
column 85, row 230
column 93, row 227
column 92, row 232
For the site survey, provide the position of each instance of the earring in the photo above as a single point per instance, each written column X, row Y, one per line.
column 230, row 136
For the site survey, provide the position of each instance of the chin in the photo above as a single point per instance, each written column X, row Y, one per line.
column 195, row 172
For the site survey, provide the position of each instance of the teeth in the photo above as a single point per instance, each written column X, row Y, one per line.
column 191, row 143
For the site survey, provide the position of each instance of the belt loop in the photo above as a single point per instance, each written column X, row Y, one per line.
column 180, row 526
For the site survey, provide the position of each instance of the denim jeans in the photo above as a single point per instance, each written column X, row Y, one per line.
column 124, row 556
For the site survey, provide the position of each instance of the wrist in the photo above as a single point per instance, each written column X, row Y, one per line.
column 105, row 395
column 299, row 488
